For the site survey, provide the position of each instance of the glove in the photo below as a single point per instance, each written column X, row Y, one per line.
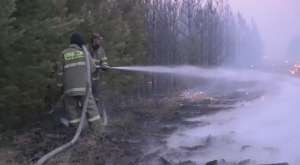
column 104, row 68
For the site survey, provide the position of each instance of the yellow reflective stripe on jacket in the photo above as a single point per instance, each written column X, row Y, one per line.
column 73, row 55
column 74, row 64
column 94, row 118
column 96, row 60
column 75, row 121
column 59, row 85
column 104, row 63
column 95, row 78
column 76, row 90
column 103, row 58
column 60, row 73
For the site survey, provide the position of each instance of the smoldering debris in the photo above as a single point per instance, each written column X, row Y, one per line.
column 203, row 144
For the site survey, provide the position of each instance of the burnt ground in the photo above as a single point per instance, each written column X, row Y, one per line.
column 133, row 127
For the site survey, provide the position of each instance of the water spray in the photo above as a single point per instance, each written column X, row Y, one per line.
column 214, row 73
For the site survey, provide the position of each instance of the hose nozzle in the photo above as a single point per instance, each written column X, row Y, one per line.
column 103, row 68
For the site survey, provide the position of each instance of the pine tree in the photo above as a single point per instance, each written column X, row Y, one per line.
column 115, row 31
column 134, row 14
column 133, row 17
column 293, row 49
column 45, row 30
column 8, row 35
column 123, row 32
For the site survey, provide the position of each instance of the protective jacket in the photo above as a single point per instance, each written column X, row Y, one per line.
column 99, row 57
column 71, row 70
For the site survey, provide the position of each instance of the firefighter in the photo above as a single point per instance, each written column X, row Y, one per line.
column 99, row 57
column 71, row 71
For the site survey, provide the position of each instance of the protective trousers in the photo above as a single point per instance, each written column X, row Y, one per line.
column 96, row 93
column 73, row 111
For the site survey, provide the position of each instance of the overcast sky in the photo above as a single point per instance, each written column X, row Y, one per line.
column 277, row 20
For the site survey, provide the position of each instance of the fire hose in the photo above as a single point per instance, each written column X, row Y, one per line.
column 87, row 93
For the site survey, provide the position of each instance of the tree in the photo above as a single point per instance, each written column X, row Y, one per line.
column 121, row 23
column 252, row 50
column 44, row 28
column 34, row 32
column 293, row 49
column 8, row 36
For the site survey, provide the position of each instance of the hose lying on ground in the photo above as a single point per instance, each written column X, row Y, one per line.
column 82, row 118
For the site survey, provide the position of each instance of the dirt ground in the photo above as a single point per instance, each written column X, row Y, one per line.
column 132, row 126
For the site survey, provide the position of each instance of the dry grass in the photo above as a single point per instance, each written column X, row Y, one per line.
column 88, row 150
column 152, row 107
column 136, row 118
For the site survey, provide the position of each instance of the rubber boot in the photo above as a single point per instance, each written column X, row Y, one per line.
column 96, row 128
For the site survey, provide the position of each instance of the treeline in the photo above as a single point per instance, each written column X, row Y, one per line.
column 293, row 49
column 202, row 33
column 136, row 32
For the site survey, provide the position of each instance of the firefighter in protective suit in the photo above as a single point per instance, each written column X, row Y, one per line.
column 71, row 71
column 99, row 57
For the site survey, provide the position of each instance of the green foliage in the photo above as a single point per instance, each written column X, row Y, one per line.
column 34, row 32
column 35, row 38
column 8, row 36
column 121, row 25
column 127, row 45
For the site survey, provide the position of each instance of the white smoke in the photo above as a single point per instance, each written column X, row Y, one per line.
column 270, row 126
column 266, row 131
